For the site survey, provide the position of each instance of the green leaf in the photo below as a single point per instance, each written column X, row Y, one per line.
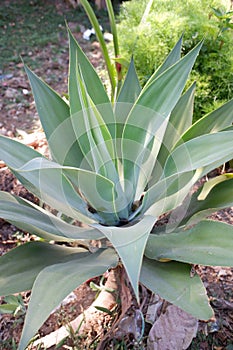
column 145, row 14
column 130, row 90
column 129, row 242
column 15, row 153
column 94, row 85
column 207, row 243
column 124, row 62
column 51, row 186
column 104, row 309
column 12, row 299
column 200, row 152
column 193, row 210
column 8, row 308
column 55, row 282
column 54, row 115
column 113, row 27
column 92, row 82
column 168, row 193
column 172, row 282
column 128, row 94
column 35, row 220
column 210, row 184
column 20, row 266
column 56, row 189
column 173, row 57
column 155, row 103
column 93, row 135
column 180, row 120
column 162, row 94
column 13, row 305
column 94, row 21
column 213, row 122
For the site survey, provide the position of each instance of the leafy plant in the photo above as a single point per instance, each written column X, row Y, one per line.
column 150, row 42
column 117, row 166
column 225, row 19
column 13, row 305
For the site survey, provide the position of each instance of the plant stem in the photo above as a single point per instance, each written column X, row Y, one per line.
column 92, row 17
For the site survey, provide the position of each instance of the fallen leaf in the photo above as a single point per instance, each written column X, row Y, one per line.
column 173, row 330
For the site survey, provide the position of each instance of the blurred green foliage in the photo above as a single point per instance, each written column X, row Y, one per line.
column 151, row 40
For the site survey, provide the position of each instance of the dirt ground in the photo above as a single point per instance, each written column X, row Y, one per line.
column 19, row 119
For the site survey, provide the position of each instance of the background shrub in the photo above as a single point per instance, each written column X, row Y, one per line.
column 151, row 41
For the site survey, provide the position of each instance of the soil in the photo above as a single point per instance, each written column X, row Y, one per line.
column 19, row 120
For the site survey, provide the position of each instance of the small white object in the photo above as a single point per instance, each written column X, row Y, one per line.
column 108, row 37
column 89, row 32
column 25, row 91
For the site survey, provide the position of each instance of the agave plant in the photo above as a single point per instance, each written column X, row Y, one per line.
column 117, row 166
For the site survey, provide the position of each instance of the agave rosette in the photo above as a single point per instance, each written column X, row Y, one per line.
column 117, row 166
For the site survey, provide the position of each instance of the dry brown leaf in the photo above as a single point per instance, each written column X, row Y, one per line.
column 154, row 308
column 173, row 330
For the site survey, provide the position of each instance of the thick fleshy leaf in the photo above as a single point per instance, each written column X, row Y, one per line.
column 128, row 94
column 210, row 184
column 228, row 128
column 35, row 220
column 182, row 114
column 52, row 187
column 172, row 282
column 55, row 282
column 61, row 192
column 207, row 243
column 193, row 210
column 130, row 89
column 20, row 266
column 201, row 152
column 53, row 181
column 15, row 153
column 168, row 193
column 95, row 24
column 180, row 120
column 155, row 103
column 173, row 57
column 54, row 115
column 215, row 121
column 94, row 86
column 92, row 131
column 129, row 242
column 93, row 135
column 164, row 92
